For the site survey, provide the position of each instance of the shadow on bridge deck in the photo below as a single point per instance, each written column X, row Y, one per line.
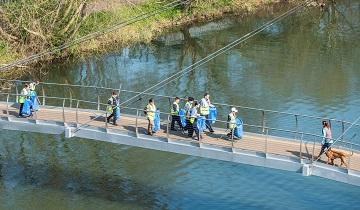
column 258, row 144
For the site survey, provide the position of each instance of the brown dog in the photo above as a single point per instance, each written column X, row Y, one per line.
column 332, row 155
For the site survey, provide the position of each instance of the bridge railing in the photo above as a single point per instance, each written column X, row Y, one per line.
column 84, row 114
column 261, row 117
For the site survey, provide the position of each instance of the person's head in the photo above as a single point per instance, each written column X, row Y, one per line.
column 114, row 93
column 151, row 101
column 177, row 99
column 325, row 123
column 196, row 103
column 234, row 110
column 191, row 100
column 26, row 86
column 206, row 95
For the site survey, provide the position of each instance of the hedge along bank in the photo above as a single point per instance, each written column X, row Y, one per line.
column 50, row 23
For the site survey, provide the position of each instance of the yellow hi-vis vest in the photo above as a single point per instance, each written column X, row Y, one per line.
column 231, row 121
column 150, row 111
column 24, row 93
column 109, row 109
column 204, row 108
column 175, row 112
column 193, row 115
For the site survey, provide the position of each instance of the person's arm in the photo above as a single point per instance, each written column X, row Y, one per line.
column 174, row 107
column 210, row 104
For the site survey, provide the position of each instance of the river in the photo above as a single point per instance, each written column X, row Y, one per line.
column 308, row 63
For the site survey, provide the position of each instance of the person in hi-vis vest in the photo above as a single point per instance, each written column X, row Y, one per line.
column 175, row 108
column 205, row 105
column 231, row 122
column 187, row 107
column 114, row 103
column 193, row 121
column 23, row 95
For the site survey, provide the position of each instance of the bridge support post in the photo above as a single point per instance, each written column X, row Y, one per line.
column 306, row 170
column 68, row 132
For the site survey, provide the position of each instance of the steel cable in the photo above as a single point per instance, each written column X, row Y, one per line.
column 219, row 51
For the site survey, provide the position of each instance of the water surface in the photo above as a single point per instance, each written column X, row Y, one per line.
column 308, row 64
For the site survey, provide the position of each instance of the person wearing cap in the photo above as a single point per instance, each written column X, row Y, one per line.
column 205, row 105
column 231, row 122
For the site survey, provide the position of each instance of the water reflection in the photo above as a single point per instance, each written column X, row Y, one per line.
column 307, row 64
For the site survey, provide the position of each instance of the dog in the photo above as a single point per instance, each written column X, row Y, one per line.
column 332, row 155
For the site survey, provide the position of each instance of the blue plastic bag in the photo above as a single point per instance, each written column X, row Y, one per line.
column 33, row 99
column 212, row 115
column 26, row 112
column 182, row 117
column 117, row 113
column 238, row 132
column 200, row 123
column 157, row 121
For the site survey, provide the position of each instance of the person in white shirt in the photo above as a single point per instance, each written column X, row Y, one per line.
column 327, row 137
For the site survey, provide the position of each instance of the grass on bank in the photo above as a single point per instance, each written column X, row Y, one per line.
column 143, row 31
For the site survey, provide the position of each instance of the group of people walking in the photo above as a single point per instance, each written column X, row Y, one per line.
column 192, row 111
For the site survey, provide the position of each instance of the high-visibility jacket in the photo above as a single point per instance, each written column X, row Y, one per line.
column 113, row 104
column 150, row 111
column 24, row 93
column 204, row 106
column 175, row 109
column 193, row 114
column 231, row 121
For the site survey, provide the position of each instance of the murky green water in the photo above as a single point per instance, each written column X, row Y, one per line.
column 306, row 64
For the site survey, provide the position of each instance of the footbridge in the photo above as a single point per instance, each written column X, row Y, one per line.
column 280, row 140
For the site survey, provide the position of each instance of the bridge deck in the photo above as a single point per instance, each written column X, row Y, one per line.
column 127, row 123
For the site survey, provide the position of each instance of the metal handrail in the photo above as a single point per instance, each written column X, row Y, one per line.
column 167, row 113
column 264, row 134
column 165, row 96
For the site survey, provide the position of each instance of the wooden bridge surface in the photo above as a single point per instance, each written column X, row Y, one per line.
column 127, row 123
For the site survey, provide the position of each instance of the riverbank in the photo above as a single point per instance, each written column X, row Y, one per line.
column 144, row 31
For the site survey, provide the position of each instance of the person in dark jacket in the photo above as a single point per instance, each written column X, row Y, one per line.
column 114, row 103
column 175, row 114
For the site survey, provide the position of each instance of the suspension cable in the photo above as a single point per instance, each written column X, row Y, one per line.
column 218, row 52
column 215, row 54
column 93, row 35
